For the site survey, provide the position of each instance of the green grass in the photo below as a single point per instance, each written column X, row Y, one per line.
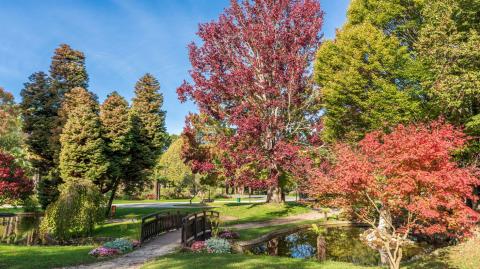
column 116, row 230
column 254, row 212
column 39, row 257
column 252, row 233
column 465, row 255
column 148, row 201
column 11, row 210
column 239, row 261
column 137, row 213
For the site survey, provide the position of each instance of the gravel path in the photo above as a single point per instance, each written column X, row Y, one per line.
column 162, row 245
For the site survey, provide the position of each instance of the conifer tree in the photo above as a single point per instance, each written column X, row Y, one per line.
column 117, row 133
column 82, row 155
column 147, row 104
column 149, row 133
column 67, row 71
column 38, row 113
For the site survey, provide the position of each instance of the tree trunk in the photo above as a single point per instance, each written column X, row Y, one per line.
column 383, row 227
column 157, row 190
column 112, row 196
column 275, row 195
column 321, row 248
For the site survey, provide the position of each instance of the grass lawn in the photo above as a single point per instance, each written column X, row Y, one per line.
column 38, row 257
column 465, row 255
column 137, row 213
column 239, row 261
column 252, row 212
column 11, row 210
column 127, row 229
column 252, row 233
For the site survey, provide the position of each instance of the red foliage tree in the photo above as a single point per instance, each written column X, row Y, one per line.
column 14, row 185
column 402, row 183
column 252, row 74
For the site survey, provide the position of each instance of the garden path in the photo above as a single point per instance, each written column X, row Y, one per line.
column 162, row 245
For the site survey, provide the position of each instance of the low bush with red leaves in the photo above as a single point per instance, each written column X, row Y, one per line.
column 14, row 185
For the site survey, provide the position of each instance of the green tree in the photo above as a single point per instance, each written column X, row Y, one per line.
column 42, row 99
column 448, row 46
column 171, row 168
column 38, row 113
column 82, row 155
column 117, row 133
column 400, row 18
column 78, row 208
column 149, row 132
column 147, row 104
column 11, row 136
column 365, row 82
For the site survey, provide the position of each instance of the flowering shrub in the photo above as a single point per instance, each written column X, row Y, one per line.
column 198, row 246
column 228, row 235
column 122, row 245
column 217, row 245
column 104, row 252
column 117, row 246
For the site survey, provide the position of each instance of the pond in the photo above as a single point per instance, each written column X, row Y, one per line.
column 22, row 229
column 340, row 244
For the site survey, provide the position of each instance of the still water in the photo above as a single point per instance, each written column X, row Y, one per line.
column 337, row 244
column 21, row 229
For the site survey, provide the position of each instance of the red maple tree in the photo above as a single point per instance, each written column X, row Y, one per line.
column 402, row 183
column 14, row 185
column 252, row 73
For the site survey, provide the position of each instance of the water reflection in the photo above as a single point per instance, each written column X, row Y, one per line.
column 336, row 243
column 20, row 229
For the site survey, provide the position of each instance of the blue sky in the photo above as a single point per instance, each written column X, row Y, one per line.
column 122, row 40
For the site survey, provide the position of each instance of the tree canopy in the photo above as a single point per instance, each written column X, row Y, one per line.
column 251, row 72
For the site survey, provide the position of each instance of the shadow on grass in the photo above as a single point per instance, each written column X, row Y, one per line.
column 237, row 261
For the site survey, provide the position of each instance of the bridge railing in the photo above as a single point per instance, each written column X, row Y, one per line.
column 198, row 226
column 159, row 223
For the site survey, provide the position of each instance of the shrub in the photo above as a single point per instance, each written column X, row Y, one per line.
column 104, row 252
column 218, row 245
column 228, row 235
column 198, row 246
column 78, row 208
column 122, row 245
column 14, row 185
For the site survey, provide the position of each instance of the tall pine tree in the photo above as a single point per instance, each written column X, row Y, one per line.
column 82, row 155
column 38, row 113
column 149, row 132
column 117, row 132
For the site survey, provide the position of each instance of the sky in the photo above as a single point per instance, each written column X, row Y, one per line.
column 121, row 39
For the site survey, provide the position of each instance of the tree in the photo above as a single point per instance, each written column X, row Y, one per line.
column 117, row 133
column 78, row 208
column 251, row 73
column 38, row 113
column 14, row 185
column 11, row 137
column 402, row 183
column 67, row 71
column 171, row 168
column 82, row 155
column 149, row 133
column 399, row 18
column 147, row 104
column 365, row 86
